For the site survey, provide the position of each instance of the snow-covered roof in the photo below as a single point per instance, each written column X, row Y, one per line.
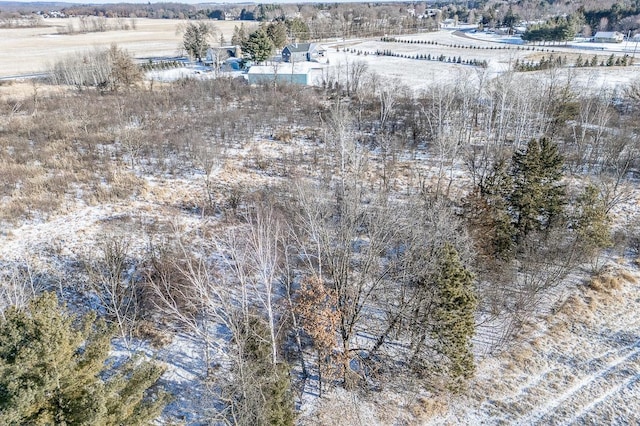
column 608, row 34
column 284, row 68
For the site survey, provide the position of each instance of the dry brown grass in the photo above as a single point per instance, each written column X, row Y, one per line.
column 425, row 408
column 152, row 333
column 606, row 283
column 119, row 185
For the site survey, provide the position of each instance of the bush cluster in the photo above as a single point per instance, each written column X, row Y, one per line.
column 160, row 65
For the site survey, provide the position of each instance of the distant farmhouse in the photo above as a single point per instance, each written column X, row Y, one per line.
column 608, row 37
column 302, row 52
column 301, row 63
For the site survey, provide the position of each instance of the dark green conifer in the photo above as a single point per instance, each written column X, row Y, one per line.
column 591, row 222
column 455, row 306
column 538, row 198
column 53, row 371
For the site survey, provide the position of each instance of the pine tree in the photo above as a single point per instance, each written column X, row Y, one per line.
column 239, row 35
column 591, row 222
column 538, row 199
column 196, row 39
column 261, row 391
column 455, row 306
column 490, row 218
column 258, row 47
column 579, row 61
column 610, row 60
column 52, row 371
column 298, row 29
column 277, row 32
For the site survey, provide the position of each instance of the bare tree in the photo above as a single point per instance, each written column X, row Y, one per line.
column 18, row 285
column 113, row 279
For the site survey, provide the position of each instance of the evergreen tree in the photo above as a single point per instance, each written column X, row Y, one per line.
column 496, row 190
column 298, row 29
column 510, row 19
column 239, row 35
column 196, row 39
column 53, row 371
column 261, row 390
column 277, row 32
column 537, row 200
column 258, row 47
column 454, row 311
column 591, row 222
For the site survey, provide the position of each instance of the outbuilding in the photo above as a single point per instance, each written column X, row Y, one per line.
column 608, row 37
column 305, row 73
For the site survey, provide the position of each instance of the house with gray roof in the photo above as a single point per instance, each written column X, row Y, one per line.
column 303, row 52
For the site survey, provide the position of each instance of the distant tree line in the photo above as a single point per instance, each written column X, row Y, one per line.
column 460, row 46
column 426, row 57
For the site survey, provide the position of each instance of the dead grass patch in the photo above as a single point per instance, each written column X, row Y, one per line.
column 559, row 329
column 574, row 305
column 118, row 185
column 628, row 277
column 522, row 357
column 605, row 283
column 151, row 332
column 425, row 408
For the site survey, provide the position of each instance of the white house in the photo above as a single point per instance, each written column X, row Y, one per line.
column 608, row 37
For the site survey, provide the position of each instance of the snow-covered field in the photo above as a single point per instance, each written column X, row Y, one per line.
column 34, row 50
column 499, row 54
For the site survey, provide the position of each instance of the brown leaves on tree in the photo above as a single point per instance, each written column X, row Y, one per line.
column 316, row 307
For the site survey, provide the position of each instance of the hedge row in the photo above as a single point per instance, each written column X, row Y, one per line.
column 423, row 57
column 560, row 61
column 461, row 46
column 161, row 65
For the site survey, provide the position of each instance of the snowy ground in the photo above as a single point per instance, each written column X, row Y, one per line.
column 578, row 362
column 578, row 365
column 499, row 51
